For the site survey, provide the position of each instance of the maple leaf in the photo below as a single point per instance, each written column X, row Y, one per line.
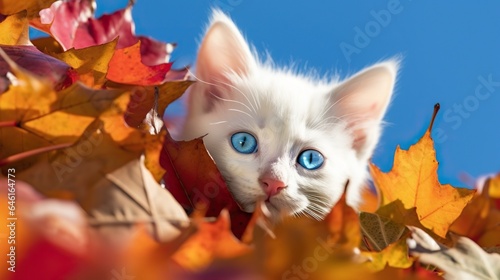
column 480, row 220
column 144, row 99
column 212, row 240
column 413, row 180
column 193, row 179
column 330, row 246
column 126, row 67
column 343, row 225
column 14, row 29
column 73, row 25
column 29, row 58
column 90, row 63
column 394, row 255
column 379, row 231
column 36, row 118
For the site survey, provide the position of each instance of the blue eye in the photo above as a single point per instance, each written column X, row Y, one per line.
column 244, row 143
column 310, row 159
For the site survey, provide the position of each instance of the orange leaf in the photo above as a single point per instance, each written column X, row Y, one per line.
column 126, row 67
column 480, row 220
column 212, row 241
column 413, row 180
column 343, row 224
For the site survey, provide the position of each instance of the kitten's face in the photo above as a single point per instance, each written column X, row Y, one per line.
column 288, row 140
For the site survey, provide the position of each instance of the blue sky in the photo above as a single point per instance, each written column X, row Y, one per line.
column 451, row 53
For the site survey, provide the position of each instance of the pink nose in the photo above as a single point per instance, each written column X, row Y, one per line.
column 272, row 186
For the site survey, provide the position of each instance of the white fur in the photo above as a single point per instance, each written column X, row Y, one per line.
column 287, row 113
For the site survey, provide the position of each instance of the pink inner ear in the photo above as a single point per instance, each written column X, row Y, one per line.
column 223, row 51
column 363, row 100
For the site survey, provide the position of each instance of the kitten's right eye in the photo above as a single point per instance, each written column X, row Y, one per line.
column 244, row 143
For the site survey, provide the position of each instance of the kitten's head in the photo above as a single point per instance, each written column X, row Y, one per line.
column 288, row 139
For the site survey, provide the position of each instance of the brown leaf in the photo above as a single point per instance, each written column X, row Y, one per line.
column 380, row 231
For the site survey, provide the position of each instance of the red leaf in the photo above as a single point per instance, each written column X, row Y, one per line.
column 73, row 25
column 194, row 180
column 126, row 67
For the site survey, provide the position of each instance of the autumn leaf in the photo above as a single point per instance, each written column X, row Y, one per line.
column 213, row 240
column 193, row 179
column 14, row 29
column 90, row 63
column 413, row 180
column 494, row 189
column 379, row 231
column 73, row 25
column 343, row 226
column 35, row 117
column 29, row 58
column 394, row 255
column 480, row 220
column 126, row 67
column 144, row 99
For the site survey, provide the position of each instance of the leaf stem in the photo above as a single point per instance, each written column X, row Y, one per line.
column 434, row 114
column 30, row 153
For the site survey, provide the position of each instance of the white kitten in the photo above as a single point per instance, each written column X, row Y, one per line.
column 289, row 139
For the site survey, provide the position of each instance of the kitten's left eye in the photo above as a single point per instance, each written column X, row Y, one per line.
column 310, row 159
column 244, row 143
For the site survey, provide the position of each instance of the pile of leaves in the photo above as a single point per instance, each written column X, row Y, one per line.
column 99, row 189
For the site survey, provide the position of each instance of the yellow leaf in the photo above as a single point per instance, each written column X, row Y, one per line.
column 494, row 189
column 394, row 255
column 36, row 116
column 14, row 30
column 413, row 180
column 90, row 63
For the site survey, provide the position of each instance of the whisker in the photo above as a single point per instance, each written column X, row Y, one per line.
column 239, row 111
column 221, row 122
column 224, row 83
column 242, row 93
column 230, row 100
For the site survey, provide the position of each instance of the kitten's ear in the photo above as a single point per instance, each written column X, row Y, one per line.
column 223, row 51
column 362, row 100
